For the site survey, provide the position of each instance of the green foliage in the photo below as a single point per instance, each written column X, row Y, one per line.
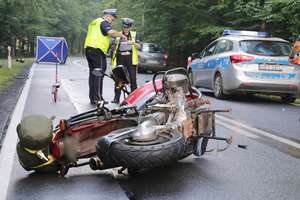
column 7, row 75
column 24, row 20
column 182, row 26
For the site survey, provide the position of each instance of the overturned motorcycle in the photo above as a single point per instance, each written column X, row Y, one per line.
column 159, row 123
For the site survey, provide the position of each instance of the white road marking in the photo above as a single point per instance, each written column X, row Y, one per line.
column 253, row 130
column 237, row 130
column 8, row 150
column 79, row 100
column 76, row 62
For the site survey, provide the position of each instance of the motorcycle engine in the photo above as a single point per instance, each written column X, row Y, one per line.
column 175, row 87
column 176, row 81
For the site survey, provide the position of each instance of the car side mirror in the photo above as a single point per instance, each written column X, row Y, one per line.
column 195, row 55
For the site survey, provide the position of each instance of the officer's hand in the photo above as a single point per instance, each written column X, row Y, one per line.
column 137, row 45
column 124, row 37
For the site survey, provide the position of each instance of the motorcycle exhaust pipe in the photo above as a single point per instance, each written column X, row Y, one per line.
column 97, row 164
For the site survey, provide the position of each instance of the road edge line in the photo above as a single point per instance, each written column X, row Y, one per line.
column 8, row 150
column 260, row 132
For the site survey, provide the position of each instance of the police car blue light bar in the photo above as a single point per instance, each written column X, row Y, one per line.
column 245, row 33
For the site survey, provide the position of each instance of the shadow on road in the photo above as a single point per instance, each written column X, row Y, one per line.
column 50, row 186
column 173, row 179
column 248, row 98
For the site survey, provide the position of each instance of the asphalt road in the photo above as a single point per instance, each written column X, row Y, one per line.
column 279, row 118
column 266, row 168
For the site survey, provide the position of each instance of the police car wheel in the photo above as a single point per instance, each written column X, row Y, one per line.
column 218, row 87
column 288, row 98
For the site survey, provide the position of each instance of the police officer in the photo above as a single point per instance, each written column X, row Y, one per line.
column 295, row 54
column 96, row 48
column 126, row 54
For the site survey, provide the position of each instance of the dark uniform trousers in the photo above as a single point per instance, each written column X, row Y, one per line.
column 127, row 62
column 96, row 59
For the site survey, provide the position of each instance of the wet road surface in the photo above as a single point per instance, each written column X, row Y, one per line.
column 260, row 170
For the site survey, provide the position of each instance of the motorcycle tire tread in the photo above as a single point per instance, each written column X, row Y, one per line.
column 143, row 157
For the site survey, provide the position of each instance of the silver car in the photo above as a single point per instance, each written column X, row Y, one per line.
column 248, row 62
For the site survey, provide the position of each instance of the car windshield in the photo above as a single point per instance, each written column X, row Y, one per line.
column 266, row 48
column 152, row 48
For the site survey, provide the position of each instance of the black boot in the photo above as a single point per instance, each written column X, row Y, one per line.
column 115, row 101
column 105, row 102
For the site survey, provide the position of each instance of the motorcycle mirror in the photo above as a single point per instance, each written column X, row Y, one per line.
column 195, row 55
column 52, row 117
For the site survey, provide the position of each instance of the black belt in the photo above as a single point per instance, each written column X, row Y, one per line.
column 96, row 49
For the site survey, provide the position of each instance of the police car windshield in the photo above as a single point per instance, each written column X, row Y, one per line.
column 152, row 48
column 265, row 48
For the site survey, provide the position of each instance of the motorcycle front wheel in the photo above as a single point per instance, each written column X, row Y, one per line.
column 166, row 148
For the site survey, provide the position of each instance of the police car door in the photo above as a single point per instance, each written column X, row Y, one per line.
column 221, row 55
column 208, row 62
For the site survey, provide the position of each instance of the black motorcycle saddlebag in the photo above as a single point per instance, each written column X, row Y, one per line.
column 29, row 159
column 35, row 134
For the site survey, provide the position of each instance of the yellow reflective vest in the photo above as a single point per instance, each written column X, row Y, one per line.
column 95, row 38
column 135, row 59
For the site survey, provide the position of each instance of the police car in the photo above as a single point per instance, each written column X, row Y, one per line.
column 247, row 62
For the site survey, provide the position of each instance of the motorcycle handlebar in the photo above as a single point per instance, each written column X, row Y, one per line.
column 194, row 89
column 154, row 79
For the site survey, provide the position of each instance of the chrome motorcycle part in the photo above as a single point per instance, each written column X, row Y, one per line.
column 96, row 164
column 175, row 81
column 146, row 131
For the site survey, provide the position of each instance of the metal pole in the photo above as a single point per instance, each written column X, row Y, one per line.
column 9, row 57
column 56, row 74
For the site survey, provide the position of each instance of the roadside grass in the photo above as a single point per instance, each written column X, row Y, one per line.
column 7, row 75
column 277, row 98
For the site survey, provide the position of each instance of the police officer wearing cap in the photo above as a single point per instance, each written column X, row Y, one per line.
column 96, row 48
column 126, row 54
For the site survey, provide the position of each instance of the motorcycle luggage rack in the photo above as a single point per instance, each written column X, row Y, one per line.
column 212, row 133
column 212, row 111
column 201, row 110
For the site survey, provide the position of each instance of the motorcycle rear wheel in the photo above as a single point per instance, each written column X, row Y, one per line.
column 167, row 148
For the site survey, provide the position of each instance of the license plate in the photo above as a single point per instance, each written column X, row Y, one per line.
column 152, row 62
column 265, row 67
